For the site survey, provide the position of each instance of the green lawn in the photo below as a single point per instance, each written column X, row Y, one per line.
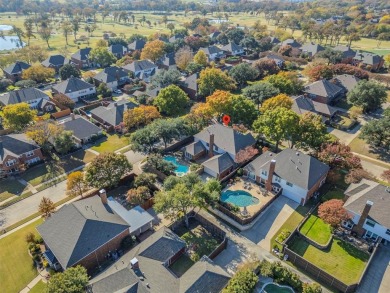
column 291, row 223
column 40, row 287
column 316, row 229
column 16, row 266
column 359, row 146
column 333, row 194
column 10, row 188
column 180, row 266
column 111, row 143
column 341, row 260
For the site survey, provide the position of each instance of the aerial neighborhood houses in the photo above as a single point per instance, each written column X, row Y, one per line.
column 55, row 62
column 15, row 70
column 142, row 69
column 113, row 77
column 81, row 58
column 75, row 89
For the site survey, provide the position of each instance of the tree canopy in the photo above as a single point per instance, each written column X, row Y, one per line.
column 212, row 79
column 369, row 95
column 68, row 70
column 242, row 73
column 153, row 50
column 258, row 92
column 332, row 212
column 17, row 116
column 102, row 57
column 171, row 100
column 281, row 100
column 377, row 132
column 38, row 73
column 287, row 82
column 72, row 280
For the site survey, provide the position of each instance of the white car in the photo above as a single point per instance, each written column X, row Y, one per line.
column 118, row 91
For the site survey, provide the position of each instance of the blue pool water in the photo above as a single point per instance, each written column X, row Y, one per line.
column 240, row 198
column 276, row 288
column 180, row 169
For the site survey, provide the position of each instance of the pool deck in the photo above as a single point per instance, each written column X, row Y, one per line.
column 255, row 190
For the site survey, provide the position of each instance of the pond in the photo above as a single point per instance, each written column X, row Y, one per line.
column 5, row 27
column 218, row 20
column 10, row 43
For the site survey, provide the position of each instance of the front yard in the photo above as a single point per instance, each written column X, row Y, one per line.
column 359, row 146
column 341, row 259
column 16, row 265
column 316, row 229
column 111, row 143
column 9, row 188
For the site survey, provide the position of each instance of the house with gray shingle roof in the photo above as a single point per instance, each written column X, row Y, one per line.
column 81, row 58
column 118, row 50
column 311, row 49
column 233, row 49
column 75, row 88
column 55, row 62
column 111, row 117
column 369, row 61
column 291, row 42
column 167, row 61
column 213, row 52
column 302, row 104
column 346, row 81
column 146, row 269
column 83, row 131
column 142, row 69
column 297, row 175
column 113, row 77
column 347, row 53
column 190, row 86
column 217, row 147
column 324, row 91
column 15, row 70
column 368, row 204
column 137, row 45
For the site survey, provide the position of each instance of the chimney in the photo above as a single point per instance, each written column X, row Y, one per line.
column 103, row 195
column 134, row 263
column 211, row 145
column 363, row 217
column 72, row 116
column 268, row 184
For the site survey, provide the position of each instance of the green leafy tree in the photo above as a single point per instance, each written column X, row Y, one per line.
column 235, row 35
column 312, row 132
column 377, row 132
column 145, row 179
column 72, row 280
column 102, row 57
column 171, row 100
column 63, row 142
column 212, row 79
column 194, row 67
column 68, row 70
column 103, row 90
column 201, row 58
column 311, row 288
column 244, row 281
column 259, row 92
column 17, row 116
column 168, row 129
column 369, row 95
column 242, row 73
column 143, row 140
column 107, row 169
column 164, row 78
column 277, row 125
column 287, row 82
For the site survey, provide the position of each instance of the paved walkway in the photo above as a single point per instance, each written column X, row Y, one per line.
column 31, row 284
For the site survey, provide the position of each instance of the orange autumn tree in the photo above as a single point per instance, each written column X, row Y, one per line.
column 141, row 115
column 219, row 101
column 332, row 212
column 153, row 50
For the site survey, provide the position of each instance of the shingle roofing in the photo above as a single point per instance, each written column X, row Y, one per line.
column 214, row 35
column 219, row 163
column 168, row 59
column 137, row 45
column 211, row 50
column 323, row 88
column 55, row 60
column 191, row 82
column 195, row 148
column 232, row 47
column 175, row 38
column 293, row 166
column 291, row 42
column 73, row 84
column 82, row 54
column 110, row 74
column 366, row 190
column 312, row 48
column 113, row 114
column 226, row 138
column 15, row 145
column 347, row 81
column 117, row 49
column 140, row 65
column 81, row 128
column 22, row 96
column 16, row 67
column 302, row 105
column 368, row 58
column 79, row 228
column 346, row 50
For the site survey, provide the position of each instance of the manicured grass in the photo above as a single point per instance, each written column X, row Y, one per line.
column 180, row 266
column 16, row 265
column 360, row 146
column 291, row 223
column 341, row 259
column 10, row 188
column 40, row 287
column 15, row 199
column 111, row 143
column 346, row 122
column 333, row 194
column 316, row 229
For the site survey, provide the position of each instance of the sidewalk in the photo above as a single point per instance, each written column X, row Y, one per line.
column 31, row 284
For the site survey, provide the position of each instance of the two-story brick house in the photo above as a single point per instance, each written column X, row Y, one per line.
column 35, row 98
column 81, row 58
column 113, row 77
column 75, row 89
column 17, row 152
column 15, row 70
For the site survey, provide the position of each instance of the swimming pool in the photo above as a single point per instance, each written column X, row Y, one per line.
column 180, row 170
column 276, row 288
column 240, row 198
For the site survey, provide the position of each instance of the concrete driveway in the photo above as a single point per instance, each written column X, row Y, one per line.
column 134, row 157
column 377, row 277
column 270, row 222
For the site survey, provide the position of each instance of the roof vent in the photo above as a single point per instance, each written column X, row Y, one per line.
column 297, row 153
column 388, row 189
column 369, row 202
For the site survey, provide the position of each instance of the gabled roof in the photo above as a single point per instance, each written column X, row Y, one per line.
column 312, row 48
column 232, row 47
column 139, row 65
column 274, row 40
column 111, row 74
column 219, row 163
column 55, row 60
column 81, row 128
column 211, row 50
column 73, row 84
column 302, row 105
column 347, row 81
column 16, row 67
column 191, row 82
column 195, row 148
column 117, row 49
column 346, row 50
column 15, row 145
column 175, row 38
column 323, row 88
column 137, row 45
column 214, row 35
column 291, row 42
column 293, row 166
column 82, row 54
column 368, row 58
column 367, row 190
column 168, row 59
column 226, row 138
column 274, row 57
column 79, row 228
column 22, row 96
column 113, row 114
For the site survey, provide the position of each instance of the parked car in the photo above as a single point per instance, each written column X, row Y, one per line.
column 117, row 91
